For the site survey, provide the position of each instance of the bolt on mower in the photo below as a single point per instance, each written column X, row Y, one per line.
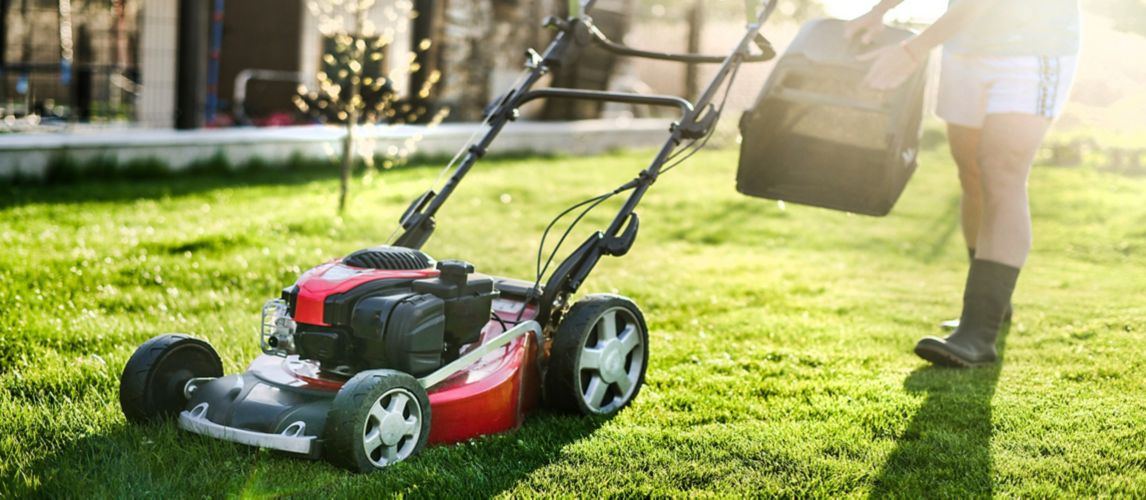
column 368, row 358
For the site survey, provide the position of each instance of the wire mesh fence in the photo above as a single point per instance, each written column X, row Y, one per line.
column 67, row 61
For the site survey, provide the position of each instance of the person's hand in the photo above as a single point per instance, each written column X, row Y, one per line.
column 864, row 28
column 893, row 65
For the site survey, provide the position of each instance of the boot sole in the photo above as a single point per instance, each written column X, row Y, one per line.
column 944, row 358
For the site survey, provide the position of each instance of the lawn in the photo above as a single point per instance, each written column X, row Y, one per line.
column 780, row 336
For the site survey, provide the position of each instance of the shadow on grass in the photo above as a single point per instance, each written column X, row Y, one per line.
column 118, row 184
column 109, row 182
column 120, row 190
column 940, row 231
column 163, row 461
column 946, row 450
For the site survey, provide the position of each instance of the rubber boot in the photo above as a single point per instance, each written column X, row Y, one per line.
column 985, row 301
column 951, row 324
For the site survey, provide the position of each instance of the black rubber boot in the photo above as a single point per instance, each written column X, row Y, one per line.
column 985, row 302
column 951, row 324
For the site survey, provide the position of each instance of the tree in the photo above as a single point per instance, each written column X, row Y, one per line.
column 354, row 87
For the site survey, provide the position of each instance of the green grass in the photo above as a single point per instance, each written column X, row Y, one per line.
column 781, row 338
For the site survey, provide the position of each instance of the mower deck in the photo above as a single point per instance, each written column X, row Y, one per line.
column 282, row 403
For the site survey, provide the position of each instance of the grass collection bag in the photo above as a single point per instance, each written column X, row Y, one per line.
column 818, row 136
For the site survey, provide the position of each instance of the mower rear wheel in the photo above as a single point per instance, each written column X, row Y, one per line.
column 598, row 358
column 378, row 418
column 151, row 387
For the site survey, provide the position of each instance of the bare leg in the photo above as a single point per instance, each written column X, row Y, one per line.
column 964, row 142
column 1008, row 144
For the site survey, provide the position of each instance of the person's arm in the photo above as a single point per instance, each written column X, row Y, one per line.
column 962, row 15
column 895, row 63
column 868, row 26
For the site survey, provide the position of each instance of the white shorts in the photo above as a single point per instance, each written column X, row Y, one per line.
column 973, row 86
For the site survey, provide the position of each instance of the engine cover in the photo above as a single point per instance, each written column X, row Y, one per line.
column 353, row 315
column 404, row 332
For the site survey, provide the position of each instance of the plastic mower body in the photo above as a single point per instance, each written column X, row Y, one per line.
column 283, row 401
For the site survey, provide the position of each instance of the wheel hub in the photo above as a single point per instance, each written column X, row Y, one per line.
column 613, row 361
column 391, row 428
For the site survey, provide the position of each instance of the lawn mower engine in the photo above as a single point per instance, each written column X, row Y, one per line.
column 382, row 307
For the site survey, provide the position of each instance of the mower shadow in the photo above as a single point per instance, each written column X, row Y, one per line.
column 122, row 187
column 162, row 461
column 480, row 468
column 945, row 452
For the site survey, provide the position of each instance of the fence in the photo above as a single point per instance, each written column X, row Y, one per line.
column 67, row 61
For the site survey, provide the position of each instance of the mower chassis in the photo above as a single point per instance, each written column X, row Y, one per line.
column 481, row 392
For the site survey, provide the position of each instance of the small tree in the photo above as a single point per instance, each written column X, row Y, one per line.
column 353, row 87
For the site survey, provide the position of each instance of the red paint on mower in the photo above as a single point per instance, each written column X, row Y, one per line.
column 493, row 395
column 315, row 285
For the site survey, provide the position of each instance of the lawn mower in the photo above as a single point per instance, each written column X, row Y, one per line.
column 368, row 358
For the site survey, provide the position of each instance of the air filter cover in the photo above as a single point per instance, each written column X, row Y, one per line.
column 389, row 258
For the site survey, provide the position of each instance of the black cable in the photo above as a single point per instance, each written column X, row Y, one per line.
column 541, row 246
column 692, row 148
column 545, row 235
column 593, row 203
column 498, row 319
column 568, row 230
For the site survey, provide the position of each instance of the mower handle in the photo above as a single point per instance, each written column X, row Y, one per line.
column 766, row 53
column 574, row 33
column 598, row 95
column 580, row 8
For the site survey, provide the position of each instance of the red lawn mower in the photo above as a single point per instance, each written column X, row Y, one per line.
column 370, row 357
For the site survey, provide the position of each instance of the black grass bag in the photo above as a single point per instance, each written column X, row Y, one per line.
column 818, row 136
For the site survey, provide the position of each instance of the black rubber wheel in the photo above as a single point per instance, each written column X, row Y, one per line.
column 151, row 387
column 598, row 358
column 380, row 417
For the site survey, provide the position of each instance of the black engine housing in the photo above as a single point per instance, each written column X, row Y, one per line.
column 415, row 326
column 404, row 332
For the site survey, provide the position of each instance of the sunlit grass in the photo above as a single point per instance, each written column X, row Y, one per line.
column 781, row 339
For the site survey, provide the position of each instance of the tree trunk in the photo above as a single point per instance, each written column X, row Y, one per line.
column 353, row 103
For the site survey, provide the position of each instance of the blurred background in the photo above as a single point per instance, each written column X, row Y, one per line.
column 74, row 65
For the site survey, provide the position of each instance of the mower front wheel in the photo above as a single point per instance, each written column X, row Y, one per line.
column 378, row 418
column 598, row 358
column 152, row 384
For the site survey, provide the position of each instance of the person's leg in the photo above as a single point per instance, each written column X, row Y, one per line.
column 964, row 143
column 1008, row 144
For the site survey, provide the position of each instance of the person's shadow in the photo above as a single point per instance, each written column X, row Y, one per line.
column 946, row 449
